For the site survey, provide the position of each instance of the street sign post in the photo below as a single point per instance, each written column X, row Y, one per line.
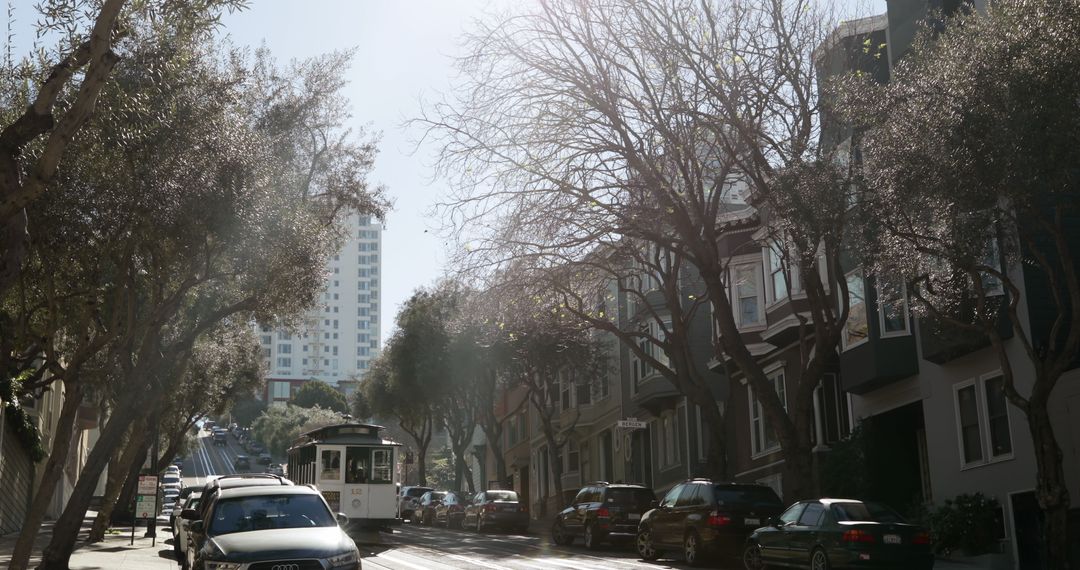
column 147, row 485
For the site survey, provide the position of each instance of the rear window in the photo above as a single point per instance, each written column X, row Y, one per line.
column 416, row 491
column 170, row 479
column 502, row 495
column 746, row 496
column 630, row 496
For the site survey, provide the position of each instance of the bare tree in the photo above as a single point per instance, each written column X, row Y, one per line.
column 579, row 124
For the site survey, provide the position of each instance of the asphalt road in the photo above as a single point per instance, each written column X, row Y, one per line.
column 425, row 548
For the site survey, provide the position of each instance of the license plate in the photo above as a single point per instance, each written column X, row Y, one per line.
column 509, row 509
column 634, row 516
column 891, row 539
column 753, row 521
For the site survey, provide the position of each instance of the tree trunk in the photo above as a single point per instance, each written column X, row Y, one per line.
column 126, row 463
column 57, row 553
column 798, row 473
column 127, row 497
column 1050, row 488
column 716, row 453
column 421, row 465
column 50, row 475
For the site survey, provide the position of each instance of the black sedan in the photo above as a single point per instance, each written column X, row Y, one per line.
column 839, row 533
column 496, row 508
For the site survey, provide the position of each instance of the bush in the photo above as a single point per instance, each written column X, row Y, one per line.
column 967, row 522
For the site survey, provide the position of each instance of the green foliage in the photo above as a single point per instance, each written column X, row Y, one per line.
column 246, row 410
column 440, row 468
column 21, row 423
column 970, row 522
column 317, row 393
column 279, row 426
column 844, row 473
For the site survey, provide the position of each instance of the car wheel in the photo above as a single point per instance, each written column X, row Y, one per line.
column 751, row 557
column 592, row 542
column 692, row 549
column 559, row 535
column 645, row 548
column 819, row 560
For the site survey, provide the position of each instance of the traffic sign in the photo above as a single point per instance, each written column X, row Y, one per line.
column 147, row 485
column 630, row 423
column 146, row 506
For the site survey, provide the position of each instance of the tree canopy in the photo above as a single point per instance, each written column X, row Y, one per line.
column 317, row 393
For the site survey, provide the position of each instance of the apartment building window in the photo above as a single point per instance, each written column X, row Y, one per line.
column 284, row 362
column 284, row 349
column 702, row 433
column 857, row 327
column 337, row 283
column 778, row 278
column 284, row 336
column 304, row 362
column 266, row 352
column 305, row 348
column 892, row 309
column 326, row 336
column 362, row 312
column 762, row 434
column 334, row 352
column 565, row 382
column 281, row 390
column 335, row 323
column 669, row 439
column 747, row 290
column 831, row 414
column 603, row 386
column 982, row 417
column 573, row 457
column 335, row 336
column 266, row 339
column 264, row 328
column 584, row 393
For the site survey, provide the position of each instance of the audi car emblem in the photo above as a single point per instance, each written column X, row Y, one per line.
column 285, row 567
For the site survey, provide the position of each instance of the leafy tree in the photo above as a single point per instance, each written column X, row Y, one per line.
column 279, row 426
column 245, row 410
column 316, row 393
column 972, row 199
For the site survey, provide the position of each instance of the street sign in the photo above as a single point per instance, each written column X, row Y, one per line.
column 630, row 423
column 147, row 485
column 146, row 506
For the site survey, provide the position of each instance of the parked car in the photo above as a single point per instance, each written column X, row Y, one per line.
column 242, row 462
column 451, row 511
column 702, row 519
column 172, row 480
column 425, row 509
column 265, row 459
column 497, row 508
column 291, row 526
column 208, row 425
column 275, row 469
column 256, row 447
column 180, row 530
column 603, row 511
column 839, row 533
column 219, row 438
column 172, row 469
column 408, row 499
column 178, row 462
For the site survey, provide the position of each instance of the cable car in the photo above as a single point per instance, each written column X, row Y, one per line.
column 353, row 467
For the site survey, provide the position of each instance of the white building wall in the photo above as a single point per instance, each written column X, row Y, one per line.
column 340, row 336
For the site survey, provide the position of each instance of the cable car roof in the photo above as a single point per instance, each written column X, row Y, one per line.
column 346, row 433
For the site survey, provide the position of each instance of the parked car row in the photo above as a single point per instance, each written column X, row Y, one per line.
column 702, row 519
column 480, row 511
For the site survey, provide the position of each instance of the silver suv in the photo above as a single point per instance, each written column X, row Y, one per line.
column 408, row 500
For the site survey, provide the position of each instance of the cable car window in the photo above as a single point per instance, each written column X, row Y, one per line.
column 356, row 465
column 331, row 465
column 383, row 462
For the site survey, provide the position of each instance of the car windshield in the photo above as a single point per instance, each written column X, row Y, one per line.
column 170, row 479
column 437, row 496
column 416, row 491
column 630, row 496
column 502, row 496
column 746, row 496
column 263, row 512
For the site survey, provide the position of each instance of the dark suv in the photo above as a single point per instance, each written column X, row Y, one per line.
column 603, row 511
column 703, row 518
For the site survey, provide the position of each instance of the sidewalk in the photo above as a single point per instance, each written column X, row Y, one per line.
column 114, row 553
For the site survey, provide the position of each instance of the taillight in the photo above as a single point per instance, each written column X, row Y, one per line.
column 717, row 519
column 857, row 536
column 524, row 508
column 921, row 538
column 490, row 507
column 603, row 512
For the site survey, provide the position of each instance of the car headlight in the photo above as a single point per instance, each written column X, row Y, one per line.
column 345, row 559
column 222, row 565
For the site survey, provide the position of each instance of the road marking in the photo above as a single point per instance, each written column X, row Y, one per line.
column 397, row 557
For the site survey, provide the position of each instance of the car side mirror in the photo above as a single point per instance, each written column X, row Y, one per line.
column 196, row 527
column 342, row 519
column 189, row 514
column 654, row 503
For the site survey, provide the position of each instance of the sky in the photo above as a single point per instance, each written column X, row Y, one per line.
column 404, row 55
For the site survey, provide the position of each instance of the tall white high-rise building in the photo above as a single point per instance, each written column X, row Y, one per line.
column 340, row 336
